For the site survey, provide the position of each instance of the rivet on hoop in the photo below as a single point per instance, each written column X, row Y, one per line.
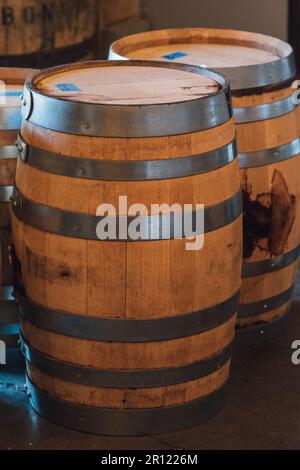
column 13, row 200
column 81, row 172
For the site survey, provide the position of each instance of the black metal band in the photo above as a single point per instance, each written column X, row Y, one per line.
column 253, row 335
column 120, row 170
column 126, row 422
column 80, row 225
column 264, row 306
column 127, row 331
column 124, row 378
column 62, row 55
column 265, row 111
column 270, row 265
column 269, row 156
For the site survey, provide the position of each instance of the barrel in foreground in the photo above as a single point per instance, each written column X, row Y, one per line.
column 130, row 332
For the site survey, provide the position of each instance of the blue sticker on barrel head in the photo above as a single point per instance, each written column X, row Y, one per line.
column 11, row 93
column 175, row 55
column 67, row 87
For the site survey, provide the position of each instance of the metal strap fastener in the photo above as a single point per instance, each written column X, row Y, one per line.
column 124, row 378
column 80, row 225
column 8, row 151
column 269, row 156
column 265, row 111
column 266, row 305
column 270, row 265
column 10, row 118
column 119, row 170
column 245, row 77
column 126, row 422
column 127, row 331
column 143, row 120
column 6, row 193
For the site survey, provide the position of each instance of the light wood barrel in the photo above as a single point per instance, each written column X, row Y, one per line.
column 261, row 71
column 11, row 89
column 38, row 33
column 127, row 335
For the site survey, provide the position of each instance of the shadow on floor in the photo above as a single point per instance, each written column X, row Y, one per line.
column 263, row 411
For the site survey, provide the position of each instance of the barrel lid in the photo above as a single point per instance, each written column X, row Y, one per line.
column 249, row 60
column 127, row 99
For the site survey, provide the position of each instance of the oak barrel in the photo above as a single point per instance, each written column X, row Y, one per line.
column 261, row 70
column 11, row 88
column 41, row 33
column 129, row 334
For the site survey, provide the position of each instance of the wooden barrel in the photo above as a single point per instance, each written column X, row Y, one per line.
column 38, row 33
column 124, row 331
column 11, row 88
column 261, row 71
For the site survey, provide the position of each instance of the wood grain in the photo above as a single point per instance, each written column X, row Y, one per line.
column 130, row 85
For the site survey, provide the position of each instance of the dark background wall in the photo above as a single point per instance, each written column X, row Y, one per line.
column 266, row 16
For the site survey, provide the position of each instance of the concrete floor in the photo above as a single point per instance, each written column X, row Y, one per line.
column 263, row 411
